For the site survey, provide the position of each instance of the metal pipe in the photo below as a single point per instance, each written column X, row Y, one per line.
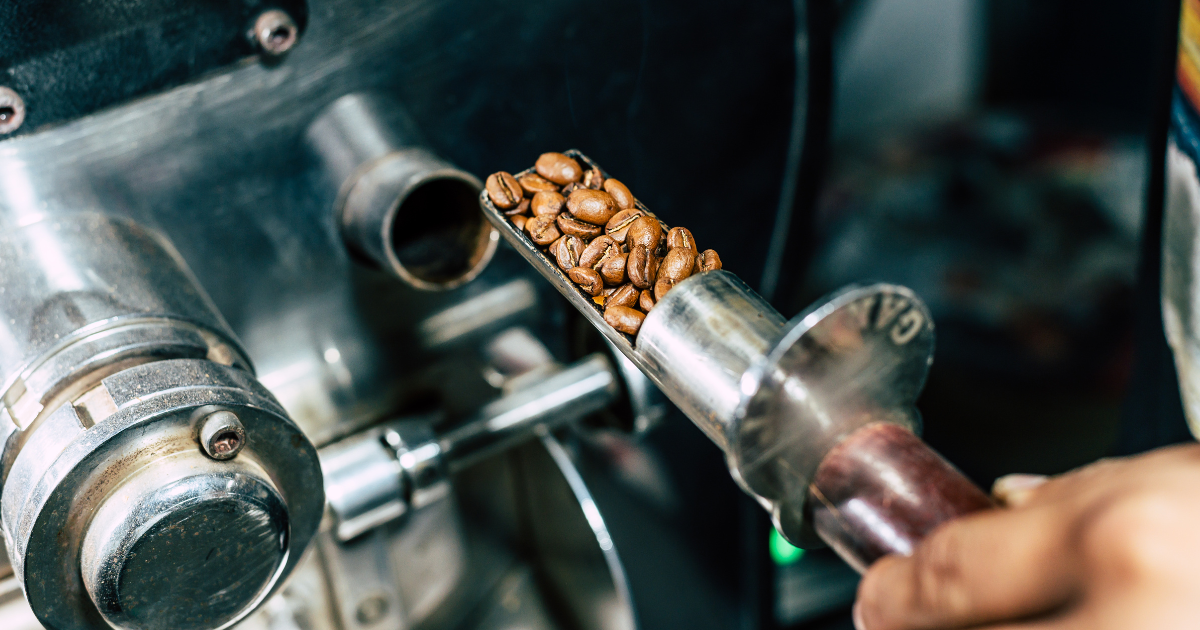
column 399, row 205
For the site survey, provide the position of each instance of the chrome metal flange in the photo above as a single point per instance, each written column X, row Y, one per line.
column 856, row 357
column 162, row 534
column 777, row 395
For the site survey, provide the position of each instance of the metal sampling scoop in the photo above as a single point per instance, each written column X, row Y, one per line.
column 815, row 415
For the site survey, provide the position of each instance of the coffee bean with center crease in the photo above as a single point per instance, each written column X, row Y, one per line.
column 625, row 295
column 709, row 260
column 542, row 230
column 620, row 193
column 558, row 168
column 534, row 184
column 646, row 300
column 503, row 190
column 641, row 266
column 550, row 203
column 600, row 249
column 676, row 267
column 569, row 225
column 594, row 206
column 645, row 231
column 566, row 251
column 681, row 237
column 624, row 319
column 618, row 226
column 612, row 269
column 588, row 279
column 592, row 178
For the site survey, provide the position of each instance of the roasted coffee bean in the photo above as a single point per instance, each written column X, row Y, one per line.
column 534, row 184
column 709, row 260
column 625, row 295
column 644, row 231
column 550, row 203
column 613, row 270
column 661, row 286
column 503, row 190
column 570, row 225
column 519, row 221
column 592, row 178
column 681, row 237
column 618, row 226
column 558, row 168
column 566, row 251
column 624, row 319
column 594, row 206
column 542, row 230
column 641, row 266
column 646, row 300
column 620, row 193
column 599, row 250
column 588, row 279
column 522, row 208
column 677, row 265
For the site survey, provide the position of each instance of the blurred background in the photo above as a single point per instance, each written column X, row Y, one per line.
column 1002, row 159
column 999, row 158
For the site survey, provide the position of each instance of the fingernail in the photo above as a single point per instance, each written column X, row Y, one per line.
column 856, row 615
column 1011, row 489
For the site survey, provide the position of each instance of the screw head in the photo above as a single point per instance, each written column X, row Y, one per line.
column 371, row 610
column 12, row 110
column 275, row 32
column 222, row 435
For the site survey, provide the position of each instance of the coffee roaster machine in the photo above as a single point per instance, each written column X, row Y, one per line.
column 264, row 362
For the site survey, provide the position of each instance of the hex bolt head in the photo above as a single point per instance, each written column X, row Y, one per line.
column 222, row 435
column 275, row 32
column 12, row 110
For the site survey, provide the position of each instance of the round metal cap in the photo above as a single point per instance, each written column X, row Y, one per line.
column 188, row 544
column 857, row 357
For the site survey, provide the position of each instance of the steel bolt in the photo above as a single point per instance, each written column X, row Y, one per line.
column 371, row 610
column 275, row 32
column 12, row 110
column 222, row 435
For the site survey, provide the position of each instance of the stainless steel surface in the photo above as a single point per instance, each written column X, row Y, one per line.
column 364, row 484
column 118, row 376
column 145, row 525
column 398, row 204
column 12, row 110
column 66, row 473
column 583, row 388
column 775, row 396
column 85, row 295
column 377, row 476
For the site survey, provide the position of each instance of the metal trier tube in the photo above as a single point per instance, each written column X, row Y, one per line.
column 778, row 396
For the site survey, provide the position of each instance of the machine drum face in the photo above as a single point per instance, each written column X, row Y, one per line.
column 216, row 539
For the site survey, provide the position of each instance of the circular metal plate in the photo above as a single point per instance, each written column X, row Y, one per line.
column 857, row 357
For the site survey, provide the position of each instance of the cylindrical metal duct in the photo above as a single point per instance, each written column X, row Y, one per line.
column 399, row 205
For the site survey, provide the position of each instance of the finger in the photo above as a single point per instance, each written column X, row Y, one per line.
column 1016, row 490
column 985, row 568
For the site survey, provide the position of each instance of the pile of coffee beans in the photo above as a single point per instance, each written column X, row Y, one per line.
column 593, row 228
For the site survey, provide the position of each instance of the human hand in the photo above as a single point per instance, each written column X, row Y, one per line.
column 1114, row 545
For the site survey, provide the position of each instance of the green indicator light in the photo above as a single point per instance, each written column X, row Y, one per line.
column 782, row 551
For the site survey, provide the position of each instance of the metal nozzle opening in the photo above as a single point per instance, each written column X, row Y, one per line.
column 437, row 237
